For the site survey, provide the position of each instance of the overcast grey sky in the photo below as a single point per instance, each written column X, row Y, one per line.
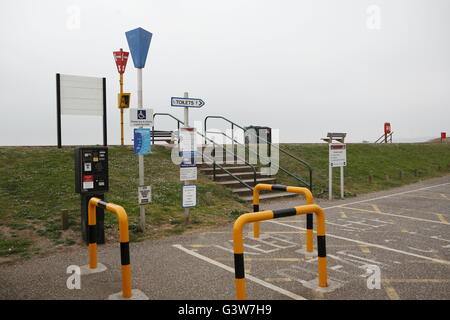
column 304, row 67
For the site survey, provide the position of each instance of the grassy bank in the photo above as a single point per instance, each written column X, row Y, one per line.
column 37, row 183
column 370, row 167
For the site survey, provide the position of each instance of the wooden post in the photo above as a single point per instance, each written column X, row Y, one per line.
column 65, row 219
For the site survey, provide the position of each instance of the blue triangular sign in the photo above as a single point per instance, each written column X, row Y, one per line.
column 139, row 42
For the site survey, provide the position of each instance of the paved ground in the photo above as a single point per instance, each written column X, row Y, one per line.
column 404, row 232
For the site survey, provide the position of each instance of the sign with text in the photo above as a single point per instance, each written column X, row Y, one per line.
column 142, row 141
column 141, row 117
column 189, row 196
column 188, row 173
column 121, row 58
column 145, row 194
column 186, row 102
column 337, row 154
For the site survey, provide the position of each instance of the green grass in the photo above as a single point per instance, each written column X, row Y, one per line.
column 36, row 183
column 384, row 162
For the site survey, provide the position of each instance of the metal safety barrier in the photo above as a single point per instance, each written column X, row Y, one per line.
column 238, row 241
column 309, row 200
column 124, row 240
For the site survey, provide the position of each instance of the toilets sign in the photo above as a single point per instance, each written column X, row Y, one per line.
column 186, row 102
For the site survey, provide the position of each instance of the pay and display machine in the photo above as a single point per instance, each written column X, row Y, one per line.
column 91, row 180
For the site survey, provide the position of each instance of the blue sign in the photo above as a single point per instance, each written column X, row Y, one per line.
column 139, row 42
column 142, row 141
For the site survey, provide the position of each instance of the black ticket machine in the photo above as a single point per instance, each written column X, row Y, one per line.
column 91, row 180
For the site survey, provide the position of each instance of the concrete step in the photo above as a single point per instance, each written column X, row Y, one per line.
column 209, row 170
column 242, row 191
column 240, row 175
column 236, row 184
column 270, row 196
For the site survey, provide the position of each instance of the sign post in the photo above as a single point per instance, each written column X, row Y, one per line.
column 337, row 158
column 187, row 148
column 121, row 58
column 139, row 43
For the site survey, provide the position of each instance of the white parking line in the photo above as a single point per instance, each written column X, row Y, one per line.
column 368, row 244
column 249, row 277
column 387, row 196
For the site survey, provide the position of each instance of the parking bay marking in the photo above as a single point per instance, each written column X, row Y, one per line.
column 369, row 244
column 248, row 277
column 397, row 215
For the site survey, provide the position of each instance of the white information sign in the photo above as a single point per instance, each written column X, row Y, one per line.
column 337, row 155
column 141, row 117
column 189, row 196
column 145, row 194
column 188, row 173
column 81, row 95
column 187, row 139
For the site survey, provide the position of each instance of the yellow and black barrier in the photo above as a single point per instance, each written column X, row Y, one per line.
column 309, row 200
column 238, row 241
column 124, row 240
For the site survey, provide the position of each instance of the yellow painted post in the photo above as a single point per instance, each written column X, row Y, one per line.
column 124, row 241
column 121, row 109
column 92, row 233
column 124, row 247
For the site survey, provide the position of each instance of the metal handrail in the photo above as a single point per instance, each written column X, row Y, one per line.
column 233, row 124
column 235, row 155
column 249, row 149
column 203, row 155
column 380, row 139
column 164, row 114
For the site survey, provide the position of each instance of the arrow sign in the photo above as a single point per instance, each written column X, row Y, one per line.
column 186, row 102
column 139, row 42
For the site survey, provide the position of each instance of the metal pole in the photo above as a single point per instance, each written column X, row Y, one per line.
column 121, row 109
column 105, row 131
column 140, row 156
column 330, row 182
column 342, row 182
column 58, row 109
column 186, row 125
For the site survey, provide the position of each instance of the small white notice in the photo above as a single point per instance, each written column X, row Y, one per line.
column 145, row 194
column 189, row 196
column 141, row 117
column 188, row 173
column 187, row 140
column 337, row 155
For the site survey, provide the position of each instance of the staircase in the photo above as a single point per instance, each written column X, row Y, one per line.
column 245, row 173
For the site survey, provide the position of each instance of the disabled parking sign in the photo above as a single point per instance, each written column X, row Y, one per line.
column 141, row 117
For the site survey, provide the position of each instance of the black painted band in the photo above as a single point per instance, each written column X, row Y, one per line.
column 125, row 253
column 284, row 213
column 256, row 208
column 92, row 233
column 239, row 266
column 279, row 187
column 309, row 221
column 321, row 247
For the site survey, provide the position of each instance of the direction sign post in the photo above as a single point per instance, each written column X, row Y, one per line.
column 337, row 158
column 139, row 43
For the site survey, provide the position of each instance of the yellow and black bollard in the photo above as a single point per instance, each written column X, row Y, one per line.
column 238, row 242
column 124, row 240
column 309, row 216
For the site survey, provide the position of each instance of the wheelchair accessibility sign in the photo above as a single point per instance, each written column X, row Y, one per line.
column 141, row 117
